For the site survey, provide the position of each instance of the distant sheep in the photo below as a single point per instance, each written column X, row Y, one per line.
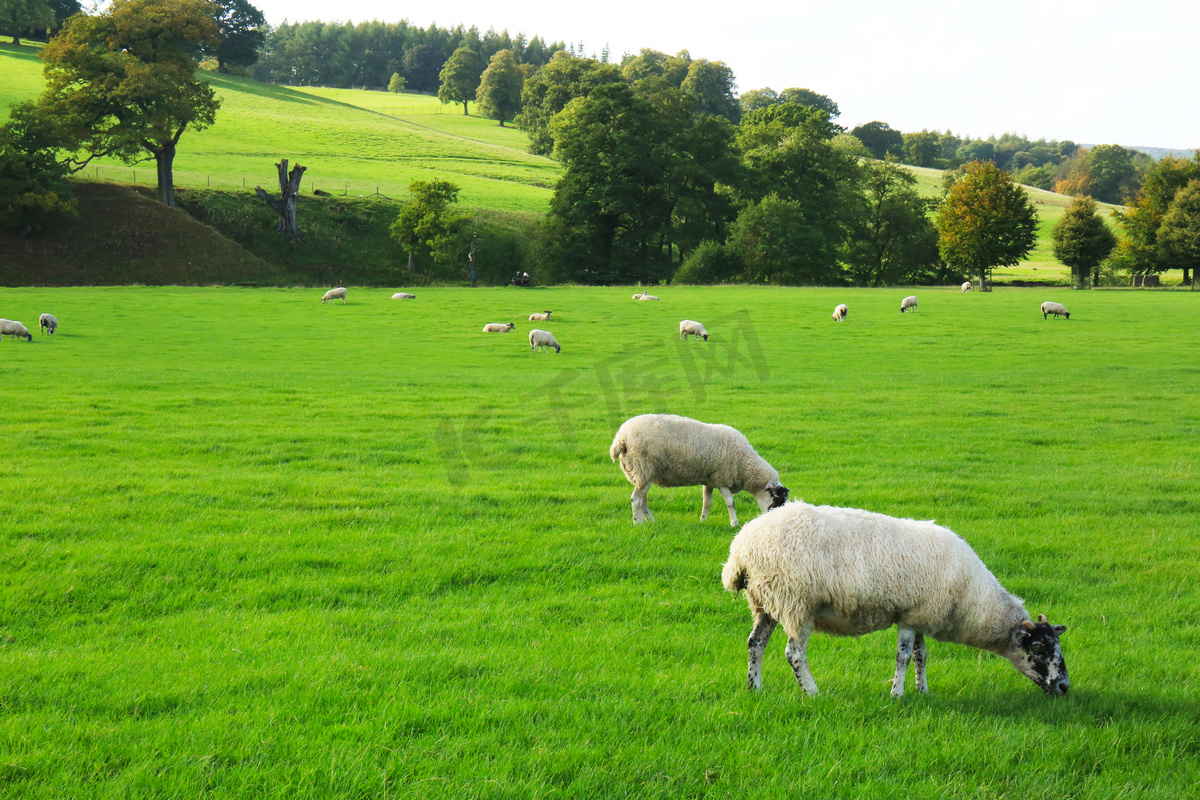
column 644, row 297
column 847, row 572
column 689, row 327
column 1056, row 309
column 966, row 286
column 498, row 327
column 10, row 327
column 543, row 317
column 47, row 323
column 404, row 296
column 668, row 450
column 908, row 304
column 840, row 313
column 539, row 339
column 334, row 294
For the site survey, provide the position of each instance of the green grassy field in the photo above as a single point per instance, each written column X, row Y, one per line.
column 255, row 546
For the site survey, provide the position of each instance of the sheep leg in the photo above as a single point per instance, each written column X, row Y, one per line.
column 707, row 505
column 905, row 641
column 919, row 655
column 728, row 497
column 641, row 508
column 796, row 653
column 764, row 626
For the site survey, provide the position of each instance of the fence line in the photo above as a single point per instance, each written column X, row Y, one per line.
column 148, row 176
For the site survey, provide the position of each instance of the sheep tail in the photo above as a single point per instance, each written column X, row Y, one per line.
column 618, row 449
column 733, row 576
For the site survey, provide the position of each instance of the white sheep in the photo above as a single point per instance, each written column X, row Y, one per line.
column 646, row 297
column 1055, row 309
column 498, row 327
column 840, row 313
column 404, row 296
column 668, row 450
column 637, row 296
column 847, row 572
column 10, row 327
column 691, row 327
column 47, row 323
column 334, row 294
column 543, row 317
column 966, row 287
column 908, row 304
column 539, row 338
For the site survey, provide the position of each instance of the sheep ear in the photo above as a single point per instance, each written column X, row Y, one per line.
column 1059, row 630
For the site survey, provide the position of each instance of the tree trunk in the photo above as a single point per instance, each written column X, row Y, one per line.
column 164, row 160
column 289, row 189
column 412, row 262
column 982, row 281
column 465, row 112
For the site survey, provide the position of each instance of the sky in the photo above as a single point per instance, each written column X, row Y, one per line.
column 1094, row 72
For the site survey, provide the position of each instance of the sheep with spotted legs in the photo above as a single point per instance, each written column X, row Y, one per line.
column 847, row 572
column 47, row 323
column 539, row 339
column 10, row 327
column 908, row 304
column 668, row 450
column 1056, row 309
column 689, row 327
column 334, row 294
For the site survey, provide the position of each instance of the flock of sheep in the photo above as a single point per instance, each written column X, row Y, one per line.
column 47, row 323
column 910, row 304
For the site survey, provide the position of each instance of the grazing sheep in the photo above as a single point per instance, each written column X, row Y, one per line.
column 691, row 327
column 847, row 572
column 543, row 317
column 1055, row 309
column 539, row 339
column 908, row 304
column 966, row 286
column 646, row 297
column 10, row 327
column 637, row 296
column 498, row 327
column 840, row 313
column 671, row 451
column 404, row 296
column 334, row 294
column 47, row 323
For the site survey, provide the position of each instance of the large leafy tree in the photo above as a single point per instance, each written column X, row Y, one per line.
column 34, row 189
column 122, row 83
column 881, row 139
column 500, row 87
column 895, row 243
column 18, row 16
column 428, row 228
column 986, row 221
column 1138, row 247
column 241, row 30
column 654, row 64
column 1179, row 236
column 1106, row 172
column 545, row 94
column 777, row 241
column 712, row 87
column 420, row 65
column 1082, row 240
column 460, row 77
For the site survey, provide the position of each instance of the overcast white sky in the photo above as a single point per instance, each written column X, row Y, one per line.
column 1097, row 72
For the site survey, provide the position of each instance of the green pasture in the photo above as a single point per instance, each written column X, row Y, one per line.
column 257, row 546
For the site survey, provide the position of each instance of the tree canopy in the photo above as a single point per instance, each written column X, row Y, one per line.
column 1179, row 236
column 122, row 83
column 241, row 30
column 985, row 221
column 499, row 93
column 428, row 228
column 18, row 16
column 1082, row 240
column 881, row 139
column 460, row 77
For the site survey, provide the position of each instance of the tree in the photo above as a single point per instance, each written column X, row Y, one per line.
column 428, row 228
column 777, row 243
column 896, row 243
column 552, row 87
column 1105, row 172
column 921, row 149
column 653, row 64
column 1179, row 236
column 460, row 77
column 500, row 87
column 1082, row 240
column 1138, row 248
column 807, row 97
column 240, row 34
column 18, row 16
column 711, row 86
column 881, row 139
column 123, row 82
column 421, row 65
column 396, row 84
column 985, row 221
column 34, row 189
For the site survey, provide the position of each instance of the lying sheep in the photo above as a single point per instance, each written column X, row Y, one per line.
column 539, row 339
column 1055, row 309
column 691, row 327
column 840, row 313
column 847, row 572
column 334, row 294
column 671, row 451
column 47, row 323
column 908, row 304
column 966, row 287
column 498, row 327
column 404, row 296
column 646, row 297
column 543, row 317
column 10, row 327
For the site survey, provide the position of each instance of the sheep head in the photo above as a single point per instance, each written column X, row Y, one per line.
column 1037, row 654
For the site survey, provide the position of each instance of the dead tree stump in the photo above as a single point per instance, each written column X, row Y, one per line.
column 289, row 189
